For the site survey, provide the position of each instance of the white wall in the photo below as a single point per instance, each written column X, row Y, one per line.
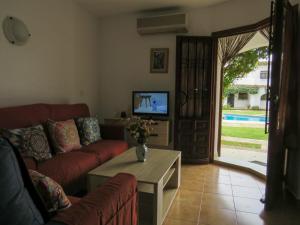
column 241, row 103
column 125, row 54
column 253, row 78
column 59, row 64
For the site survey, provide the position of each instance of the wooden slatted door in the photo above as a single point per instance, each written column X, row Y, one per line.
column 192, row 97
column 282, row 80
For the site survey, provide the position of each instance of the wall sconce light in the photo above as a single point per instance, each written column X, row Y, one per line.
column 15, row 30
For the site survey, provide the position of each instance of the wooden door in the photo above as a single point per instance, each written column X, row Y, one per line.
column 281, row 71
column 192, row 104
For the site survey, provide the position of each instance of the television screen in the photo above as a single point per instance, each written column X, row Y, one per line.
column 151, row 103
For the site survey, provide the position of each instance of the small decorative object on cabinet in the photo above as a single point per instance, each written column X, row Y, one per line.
column 140, row 130
column 159, row 60
column 123, row 114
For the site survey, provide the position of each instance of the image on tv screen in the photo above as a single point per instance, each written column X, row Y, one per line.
column 150, row 103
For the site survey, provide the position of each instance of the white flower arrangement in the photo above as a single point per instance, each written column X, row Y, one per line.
column 139, row 129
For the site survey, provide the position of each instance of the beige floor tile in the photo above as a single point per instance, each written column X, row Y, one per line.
column 198, row 195
column 217, row 201
column 211, row 216
column 237, row 173
column 189, row 197
column 247, row 192
column 217, row 172
column 249, row 219
column 262, row 187
column 192, row 185
column 248, row 205
column 192, row 176
column 221, row 179
column 184, row 211
column 224, row 189
column 243, row 181
column 169, row 221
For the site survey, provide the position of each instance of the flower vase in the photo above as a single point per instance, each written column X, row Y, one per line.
column 141, row 152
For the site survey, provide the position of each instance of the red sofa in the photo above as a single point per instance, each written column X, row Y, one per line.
column 68, row 169
column 114, row 202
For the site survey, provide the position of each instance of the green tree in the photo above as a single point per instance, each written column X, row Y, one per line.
column 242, row 64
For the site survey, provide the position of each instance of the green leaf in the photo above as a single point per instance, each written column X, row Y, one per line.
column 242, row 64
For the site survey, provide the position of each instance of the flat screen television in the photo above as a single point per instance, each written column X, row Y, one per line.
column 150, row 103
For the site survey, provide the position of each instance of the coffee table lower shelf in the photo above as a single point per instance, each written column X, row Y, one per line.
column 146, row 205
column 155, row 194
column 168, row 197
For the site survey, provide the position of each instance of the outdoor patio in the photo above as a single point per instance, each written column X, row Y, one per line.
column 244, row 143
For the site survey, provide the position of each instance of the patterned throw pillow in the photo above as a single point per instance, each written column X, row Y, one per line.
column 31, row 142
column 51, row 192
column 89, row 130
column 64, row 135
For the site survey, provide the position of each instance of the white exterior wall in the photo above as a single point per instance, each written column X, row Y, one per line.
column 252, row 79
column 261, row 92
column 240, row 104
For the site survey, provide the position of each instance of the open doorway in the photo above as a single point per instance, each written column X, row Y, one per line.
column 241, row 114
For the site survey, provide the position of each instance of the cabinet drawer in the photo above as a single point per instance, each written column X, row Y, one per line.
column 160, row 124
column 158, row 140
column 160, row 127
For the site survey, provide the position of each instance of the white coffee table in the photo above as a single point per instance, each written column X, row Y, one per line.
column 158, row 180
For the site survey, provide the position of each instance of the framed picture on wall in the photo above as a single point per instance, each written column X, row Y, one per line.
column 159, row 60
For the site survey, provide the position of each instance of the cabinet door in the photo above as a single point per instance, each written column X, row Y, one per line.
column 192, row 106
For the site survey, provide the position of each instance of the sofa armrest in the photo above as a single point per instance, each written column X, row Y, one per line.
column 112, row 132
column 115, row 202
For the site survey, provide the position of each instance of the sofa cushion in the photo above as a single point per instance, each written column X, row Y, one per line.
column 64, row 135
column 66, row 168
column 88, row 129
column 106, row 149
column 51, row 192
column 31, row 142
column 16, row 205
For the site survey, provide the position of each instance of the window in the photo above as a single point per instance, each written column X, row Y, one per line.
column 243, row 96
column 263, row 75
column 263, row 97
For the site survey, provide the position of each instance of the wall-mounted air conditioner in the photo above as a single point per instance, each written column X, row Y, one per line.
column 171, row 23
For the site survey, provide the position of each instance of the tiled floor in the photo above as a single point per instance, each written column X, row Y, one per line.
column 213, row 195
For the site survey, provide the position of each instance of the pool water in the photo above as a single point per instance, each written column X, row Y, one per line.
column 233, row 117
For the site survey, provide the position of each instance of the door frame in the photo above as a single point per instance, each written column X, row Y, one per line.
column 214, row 96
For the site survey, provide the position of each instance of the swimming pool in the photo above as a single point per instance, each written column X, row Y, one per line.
column 234, row 117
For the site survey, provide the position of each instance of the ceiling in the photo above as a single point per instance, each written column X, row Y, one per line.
column 256, row 42
column 113, row 7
